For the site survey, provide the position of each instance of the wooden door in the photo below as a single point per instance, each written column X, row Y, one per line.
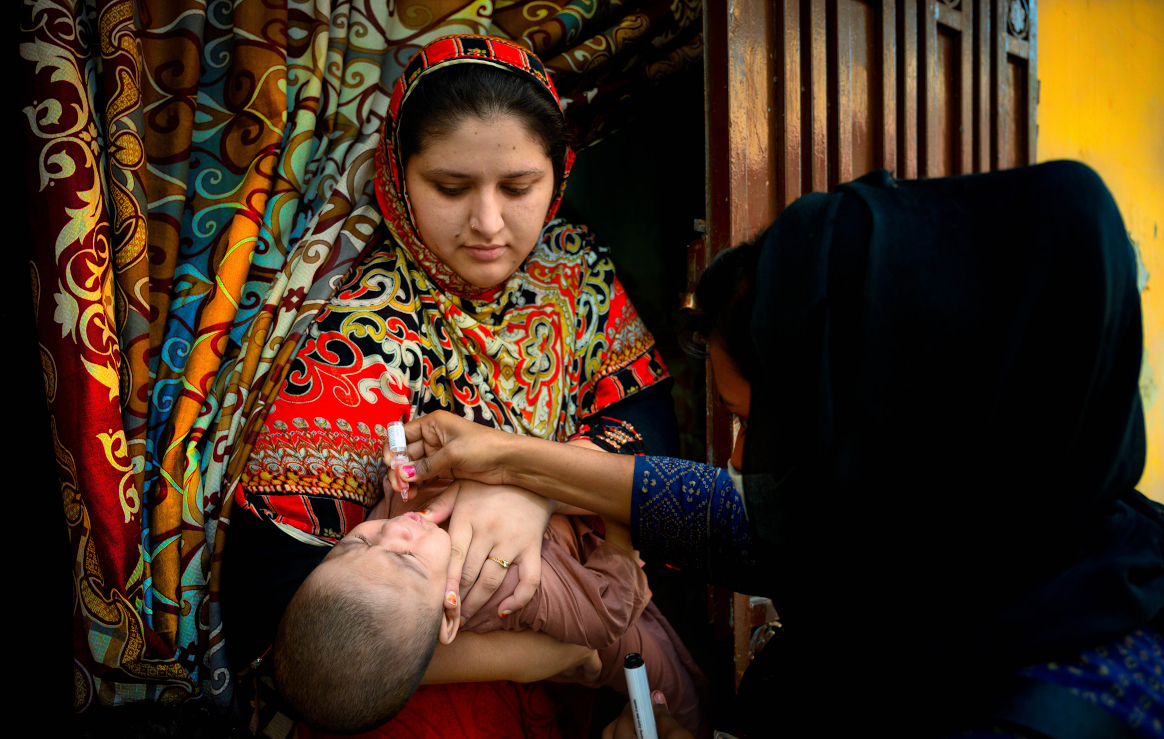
column 804, row 94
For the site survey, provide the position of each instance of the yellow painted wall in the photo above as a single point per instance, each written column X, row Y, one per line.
column 1101, row 65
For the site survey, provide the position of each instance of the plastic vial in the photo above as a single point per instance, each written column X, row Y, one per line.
column 398, row 446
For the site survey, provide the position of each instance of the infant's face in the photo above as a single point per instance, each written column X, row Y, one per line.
column 406, row 551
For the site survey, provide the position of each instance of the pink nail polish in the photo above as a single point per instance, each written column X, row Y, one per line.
column 658, row 698
column 408, row 470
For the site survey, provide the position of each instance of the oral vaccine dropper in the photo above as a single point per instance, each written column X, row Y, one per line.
column 398, row 446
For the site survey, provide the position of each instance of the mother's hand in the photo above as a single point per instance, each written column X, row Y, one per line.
column 486, row 521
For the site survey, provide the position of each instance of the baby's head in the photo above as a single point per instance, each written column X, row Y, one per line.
column 360, row 632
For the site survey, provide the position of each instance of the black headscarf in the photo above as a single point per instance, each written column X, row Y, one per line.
column 944, row 441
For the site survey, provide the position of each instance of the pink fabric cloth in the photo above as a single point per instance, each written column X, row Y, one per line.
column 595, row 594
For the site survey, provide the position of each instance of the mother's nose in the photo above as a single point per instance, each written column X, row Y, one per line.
column 485, row 218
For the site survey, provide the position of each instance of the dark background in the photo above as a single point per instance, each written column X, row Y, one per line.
column 640, row 190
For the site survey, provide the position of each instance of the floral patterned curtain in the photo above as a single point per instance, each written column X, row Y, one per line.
column 203, row 175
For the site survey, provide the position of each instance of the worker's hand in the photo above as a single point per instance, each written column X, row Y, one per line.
column 442, row 444
column 487, row 521
column 667, row 727
column 419, row 494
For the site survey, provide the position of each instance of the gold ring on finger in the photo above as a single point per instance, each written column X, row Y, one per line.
column 500, row 561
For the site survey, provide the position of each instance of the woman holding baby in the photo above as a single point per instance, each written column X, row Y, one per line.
column 479, row 303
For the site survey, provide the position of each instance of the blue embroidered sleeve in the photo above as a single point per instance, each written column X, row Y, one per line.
column 691, row 515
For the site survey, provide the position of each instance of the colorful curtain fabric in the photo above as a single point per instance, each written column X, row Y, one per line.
column 202, row 177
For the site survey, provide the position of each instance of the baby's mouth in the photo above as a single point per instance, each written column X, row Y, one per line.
column 414, row 516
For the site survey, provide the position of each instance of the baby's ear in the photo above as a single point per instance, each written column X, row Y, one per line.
column 450, row 624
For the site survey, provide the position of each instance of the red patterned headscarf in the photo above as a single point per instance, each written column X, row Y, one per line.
column 391, row 190
column 542, row 354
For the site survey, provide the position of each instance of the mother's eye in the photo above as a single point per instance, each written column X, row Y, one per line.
column 450, row 190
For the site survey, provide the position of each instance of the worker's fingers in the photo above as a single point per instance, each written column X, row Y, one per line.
column 443, row 444
column 622, row 727
column 666, row 726
column 396, row 481
column 428, row 467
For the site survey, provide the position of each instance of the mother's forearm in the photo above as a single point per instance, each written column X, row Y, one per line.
column 520, row 656
column 587, row 478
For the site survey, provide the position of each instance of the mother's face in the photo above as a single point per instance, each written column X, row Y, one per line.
column 480, row 195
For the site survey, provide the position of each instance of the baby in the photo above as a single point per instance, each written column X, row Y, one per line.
column 359, row 633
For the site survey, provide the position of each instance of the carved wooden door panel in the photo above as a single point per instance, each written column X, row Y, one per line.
column 804, row 94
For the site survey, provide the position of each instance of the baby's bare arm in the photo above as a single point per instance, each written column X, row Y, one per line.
column 520, row 656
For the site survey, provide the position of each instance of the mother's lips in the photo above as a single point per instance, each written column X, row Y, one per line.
column 485, row 251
